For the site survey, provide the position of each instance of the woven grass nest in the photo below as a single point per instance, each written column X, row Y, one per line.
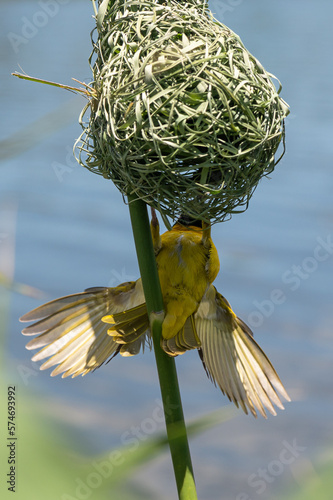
column 183, row 115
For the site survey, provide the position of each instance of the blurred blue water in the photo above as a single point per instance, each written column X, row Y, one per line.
column 73, row 231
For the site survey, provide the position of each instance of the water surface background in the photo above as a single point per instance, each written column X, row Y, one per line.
column 72, row 231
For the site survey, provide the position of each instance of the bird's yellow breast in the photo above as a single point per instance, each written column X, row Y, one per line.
column 186, row 268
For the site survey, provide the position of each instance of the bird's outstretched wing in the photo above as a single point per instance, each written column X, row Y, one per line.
column 72, row 334
column 232, row 358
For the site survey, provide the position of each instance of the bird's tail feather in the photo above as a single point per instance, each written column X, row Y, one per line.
column 186, row 339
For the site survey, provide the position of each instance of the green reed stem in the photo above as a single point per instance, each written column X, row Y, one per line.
column 173, row 410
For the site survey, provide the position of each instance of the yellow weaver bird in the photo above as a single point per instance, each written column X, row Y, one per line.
column 81, row 332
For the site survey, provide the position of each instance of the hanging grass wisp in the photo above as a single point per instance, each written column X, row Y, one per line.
column 184, row 117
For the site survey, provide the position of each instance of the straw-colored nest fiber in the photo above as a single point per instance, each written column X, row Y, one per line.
column 184, row 116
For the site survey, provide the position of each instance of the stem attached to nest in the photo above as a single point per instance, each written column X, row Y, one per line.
column 173, row 410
